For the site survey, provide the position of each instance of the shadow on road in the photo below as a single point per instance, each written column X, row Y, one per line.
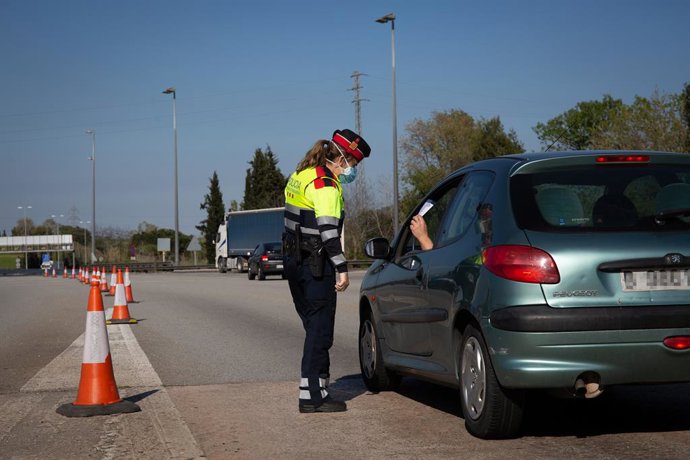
column 138, row 397
column 622, row 409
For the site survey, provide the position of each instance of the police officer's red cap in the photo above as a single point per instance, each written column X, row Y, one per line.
column 352, row 143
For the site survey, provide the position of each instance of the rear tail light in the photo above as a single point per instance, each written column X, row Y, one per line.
column 623, row 159
column 678, row 342
column 521, row 263
column 264, row 258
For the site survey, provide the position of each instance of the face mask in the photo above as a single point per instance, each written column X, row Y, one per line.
column 349, row 174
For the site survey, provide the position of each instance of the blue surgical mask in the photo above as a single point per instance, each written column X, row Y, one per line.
column 349, row 174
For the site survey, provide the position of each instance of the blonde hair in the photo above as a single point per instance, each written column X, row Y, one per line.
column 320, row 152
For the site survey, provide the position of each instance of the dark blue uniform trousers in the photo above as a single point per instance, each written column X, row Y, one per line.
column 315, row 300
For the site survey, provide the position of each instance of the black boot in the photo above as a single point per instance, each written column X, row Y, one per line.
column 327, row 405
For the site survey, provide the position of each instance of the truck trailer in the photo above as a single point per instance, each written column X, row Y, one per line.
column 242, row 231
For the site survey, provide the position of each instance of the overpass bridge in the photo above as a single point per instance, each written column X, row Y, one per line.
column 37, row 244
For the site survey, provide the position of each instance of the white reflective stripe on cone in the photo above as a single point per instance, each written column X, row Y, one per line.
column 127, row 281
column 120, row 298
column 96, row 347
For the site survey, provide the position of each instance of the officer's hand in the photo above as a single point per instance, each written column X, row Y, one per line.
column 343, row 282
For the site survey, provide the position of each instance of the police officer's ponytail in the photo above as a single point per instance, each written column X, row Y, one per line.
column 321, row 151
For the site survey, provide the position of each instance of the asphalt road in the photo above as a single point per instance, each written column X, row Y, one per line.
column 214, row 365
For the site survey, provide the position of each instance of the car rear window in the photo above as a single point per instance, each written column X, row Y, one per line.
column 273, row 247
column 602, row 198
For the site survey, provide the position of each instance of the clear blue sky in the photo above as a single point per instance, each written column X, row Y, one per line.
column 254, row 73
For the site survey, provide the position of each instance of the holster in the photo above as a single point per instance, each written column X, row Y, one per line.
column 316, row 257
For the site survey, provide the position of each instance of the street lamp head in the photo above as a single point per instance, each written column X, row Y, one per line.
column 170, row 90
column 386, row 18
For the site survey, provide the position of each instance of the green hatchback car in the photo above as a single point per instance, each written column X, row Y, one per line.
column 552, row 271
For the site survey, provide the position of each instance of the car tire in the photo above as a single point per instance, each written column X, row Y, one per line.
column 222, row 267
column 261, row 274
column 374, row 373
column 250, row 275
column 490, row 411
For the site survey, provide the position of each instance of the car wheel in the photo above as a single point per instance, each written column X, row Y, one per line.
column 490, row 411
column 261, row 274
column 375, row 375
column 250, row 275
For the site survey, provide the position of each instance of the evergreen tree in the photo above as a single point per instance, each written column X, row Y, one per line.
column 215, row 209
column 264, row 184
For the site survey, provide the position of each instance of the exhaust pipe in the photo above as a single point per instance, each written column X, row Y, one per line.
column 588, row 385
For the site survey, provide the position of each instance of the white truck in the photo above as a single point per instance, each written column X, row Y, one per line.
column 242, row 231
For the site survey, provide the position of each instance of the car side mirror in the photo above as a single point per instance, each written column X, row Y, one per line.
column 377, row 248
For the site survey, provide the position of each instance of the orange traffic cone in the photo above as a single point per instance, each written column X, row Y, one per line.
column 97, row 394
column 120, row 309
column 74, row 273
column 64, row 273
column 113, row 281
column 45, row 273
column 87, row 276
column 104, row 281
column 128, row 286
column 54, row 273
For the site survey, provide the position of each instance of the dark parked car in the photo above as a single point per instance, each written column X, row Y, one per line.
column 267, row 259
column 551, row 271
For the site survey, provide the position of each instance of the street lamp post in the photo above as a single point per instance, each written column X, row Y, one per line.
column 391, row 18
column 92, row 132
column 177, row 220
column 87, row 222
column 26, row 249
column 55, row 217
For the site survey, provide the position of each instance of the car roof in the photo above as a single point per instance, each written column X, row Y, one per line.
column 532, row 156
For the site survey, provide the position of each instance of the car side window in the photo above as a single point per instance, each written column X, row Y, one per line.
column 442, row 199
column 463, row 211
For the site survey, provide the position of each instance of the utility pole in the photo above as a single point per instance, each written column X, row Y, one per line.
column 357, row 101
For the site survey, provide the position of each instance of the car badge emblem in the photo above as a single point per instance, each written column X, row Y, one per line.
column 673, row 259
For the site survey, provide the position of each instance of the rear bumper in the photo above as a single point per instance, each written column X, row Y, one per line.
column 272, row 267
column 556, row 359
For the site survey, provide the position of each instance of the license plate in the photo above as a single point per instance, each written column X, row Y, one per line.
column 655, row 280
column 279, row 266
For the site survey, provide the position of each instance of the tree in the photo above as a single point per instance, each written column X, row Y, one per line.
column 215, row 213
column 654, row 123
column 449, row 140
column 574, row 128
column 19, row 228
column 264, row 183
column 685, row 107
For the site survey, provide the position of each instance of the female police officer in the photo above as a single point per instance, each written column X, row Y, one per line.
column 314, row 263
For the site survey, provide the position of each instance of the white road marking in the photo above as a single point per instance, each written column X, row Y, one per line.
column 132, row 369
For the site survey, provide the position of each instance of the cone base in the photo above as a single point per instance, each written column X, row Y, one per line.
column 121, row 321
column 121, row 407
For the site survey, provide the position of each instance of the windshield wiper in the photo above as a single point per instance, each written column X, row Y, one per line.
column 661, row 216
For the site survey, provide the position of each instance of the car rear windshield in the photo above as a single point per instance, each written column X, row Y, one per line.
column 272, row 248
column 603, row 198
